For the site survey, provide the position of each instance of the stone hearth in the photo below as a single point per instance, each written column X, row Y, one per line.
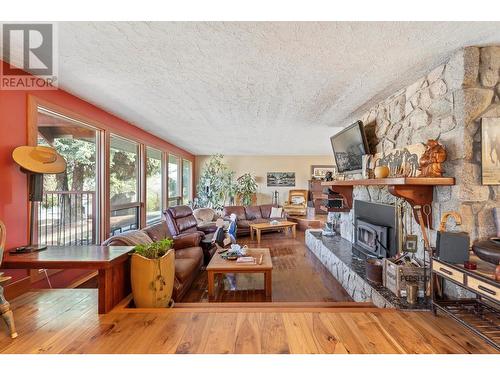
column 336, row 255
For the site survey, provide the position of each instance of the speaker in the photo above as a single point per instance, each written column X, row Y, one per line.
column 452, row 247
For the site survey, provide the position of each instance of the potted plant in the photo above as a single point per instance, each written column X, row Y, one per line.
column 216, row 185
column 152, row 273
column 246, row 187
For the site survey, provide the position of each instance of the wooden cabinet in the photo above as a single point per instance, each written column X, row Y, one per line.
column 315, row 195
column 320, row 199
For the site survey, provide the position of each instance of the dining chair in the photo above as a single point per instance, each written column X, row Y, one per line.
column 5, row 310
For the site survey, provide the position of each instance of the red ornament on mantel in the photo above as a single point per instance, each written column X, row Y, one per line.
column 470, row 265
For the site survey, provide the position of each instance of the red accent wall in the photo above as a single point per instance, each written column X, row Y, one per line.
column 13, row 133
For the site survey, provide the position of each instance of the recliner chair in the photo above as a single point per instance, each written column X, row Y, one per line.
column 180, row 220
column 297, row 202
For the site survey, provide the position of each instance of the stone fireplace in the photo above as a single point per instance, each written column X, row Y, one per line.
column 446, row 104
column 375, row 229
column 371, row 238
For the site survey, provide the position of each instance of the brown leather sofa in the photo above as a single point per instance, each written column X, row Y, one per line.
column 188, row 253
column 250, row 215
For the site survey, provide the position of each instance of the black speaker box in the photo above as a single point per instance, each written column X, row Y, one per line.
column 452, row 247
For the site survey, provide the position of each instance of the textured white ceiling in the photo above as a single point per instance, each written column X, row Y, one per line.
column 251, row 88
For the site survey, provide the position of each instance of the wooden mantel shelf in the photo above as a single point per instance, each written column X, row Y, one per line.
column 416, row 181
column 417, row 191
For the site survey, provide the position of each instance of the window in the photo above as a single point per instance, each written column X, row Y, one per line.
column 153, row 185
column 186, row 181
column 174, row 198
column 67, row 214
column 123, row 185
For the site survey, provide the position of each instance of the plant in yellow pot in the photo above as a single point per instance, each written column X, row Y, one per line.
column 152, row 274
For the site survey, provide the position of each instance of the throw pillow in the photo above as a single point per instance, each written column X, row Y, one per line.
column 276, row 213
column 298, row 199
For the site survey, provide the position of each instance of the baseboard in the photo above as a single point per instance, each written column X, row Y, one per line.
column 211, row 307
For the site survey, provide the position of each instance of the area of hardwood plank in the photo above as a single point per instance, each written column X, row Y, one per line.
column 66, row 321
column 297, row 276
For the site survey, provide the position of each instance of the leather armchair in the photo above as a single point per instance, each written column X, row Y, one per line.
column 180, row 220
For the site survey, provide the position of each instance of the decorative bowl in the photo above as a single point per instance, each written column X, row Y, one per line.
column 230, row 255
column 488, row 250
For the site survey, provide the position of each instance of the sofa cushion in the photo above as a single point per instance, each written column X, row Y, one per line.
column 208, row 227
column 253, row 212
column 180, row 211
column 189, row 252
column 265, row 209
column 276, row 213
column 187, row 240
column 297, row 199
column 185, row 267
column 204, row 215
column 260, row 221
column 244, row 223
column 239, row 211
column 158, row 231
column 187, row 223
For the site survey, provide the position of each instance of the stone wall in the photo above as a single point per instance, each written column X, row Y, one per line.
column 447, row 104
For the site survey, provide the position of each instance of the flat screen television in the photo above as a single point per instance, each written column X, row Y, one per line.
column 349, row 146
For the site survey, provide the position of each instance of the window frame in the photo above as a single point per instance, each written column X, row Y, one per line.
column 162, row 180
column 99, row 133
column 178, row 197
column 140, row 183
column 190, row 191
column 104, row 132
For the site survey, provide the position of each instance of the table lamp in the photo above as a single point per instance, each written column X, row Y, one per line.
column 36, row 161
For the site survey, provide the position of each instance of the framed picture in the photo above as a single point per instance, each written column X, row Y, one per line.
column 490, row 151
column 283, row 179
column 319, row 171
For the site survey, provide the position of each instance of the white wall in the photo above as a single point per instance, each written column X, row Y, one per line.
column 260, row 165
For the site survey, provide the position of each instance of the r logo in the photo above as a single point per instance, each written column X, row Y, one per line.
column 28, row 48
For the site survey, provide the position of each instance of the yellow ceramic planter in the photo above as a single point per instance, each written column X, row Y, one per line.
column 152, row 280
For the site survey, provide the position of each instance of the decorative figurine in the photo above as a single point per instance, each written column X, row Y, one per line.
column 276, row 198
column 430, row 162
column 328, row 176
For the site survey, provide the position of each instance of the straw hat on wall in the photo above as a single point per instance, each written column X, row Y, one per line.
column 39, row 159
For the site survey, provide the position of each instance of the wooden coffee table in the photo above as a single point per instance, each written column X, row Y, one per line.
column 218, row 265
column 258, row 228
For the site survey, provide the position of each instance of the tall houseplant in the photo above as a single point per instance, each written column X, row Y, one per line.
column 152, row 272
column 246, row 186
column 216, row 184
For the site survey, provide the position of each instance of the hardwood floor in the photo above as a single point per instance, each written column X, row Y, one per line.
column 66, row 321
column 297, row 276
